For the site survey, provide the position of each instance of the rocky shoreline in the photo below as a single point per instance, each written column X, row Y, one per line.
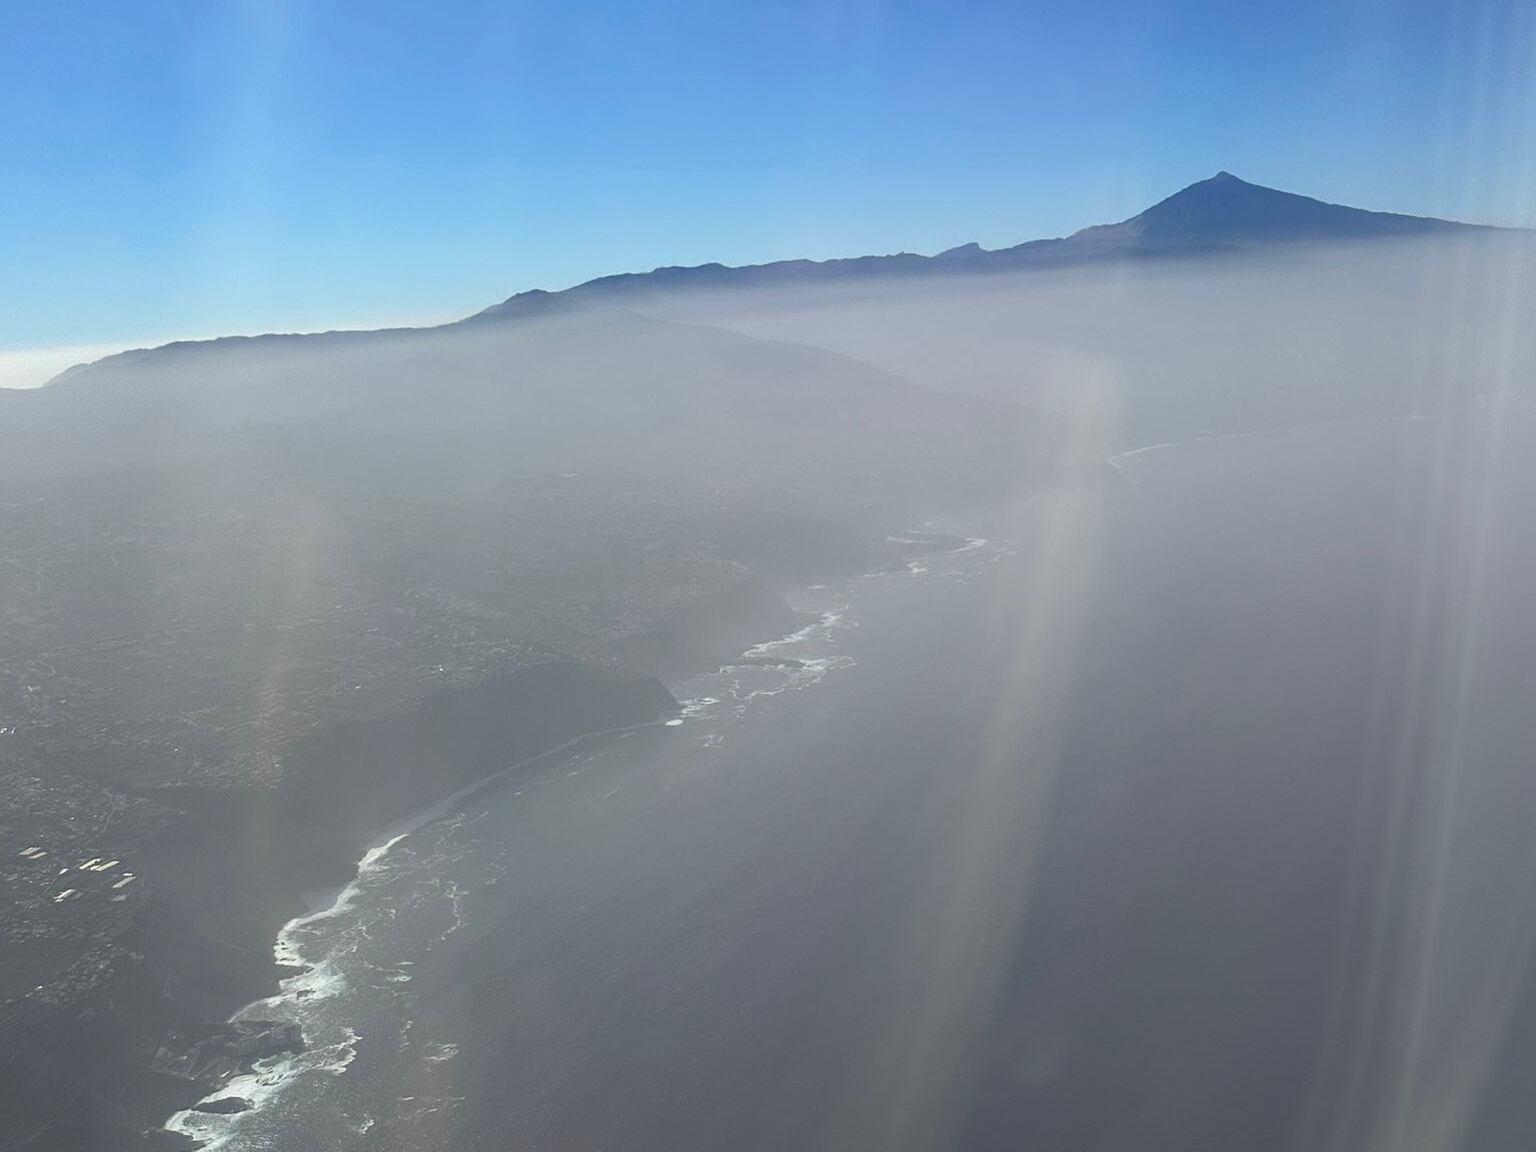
column 220, row 870
column 230, row 869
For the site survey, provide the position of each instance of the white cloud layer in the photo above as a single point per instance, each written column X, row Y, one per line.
column 33, row 367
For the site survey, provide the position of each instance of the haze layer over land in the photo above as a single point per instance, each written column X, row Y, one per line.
column 267, row 595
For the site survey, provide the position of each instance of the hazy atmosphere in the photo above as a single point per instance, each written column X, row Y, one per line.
column 244, row 167
column 830, row 577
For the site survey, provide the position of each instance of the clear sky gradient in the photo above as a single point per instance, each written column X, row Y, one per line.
column 191, row 168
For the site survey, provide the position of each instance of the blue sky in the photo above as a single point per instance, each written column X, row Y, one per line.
column 191, row 168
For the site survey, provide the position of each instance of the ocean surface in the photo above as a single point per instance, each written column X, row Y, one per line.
column 1089, row 834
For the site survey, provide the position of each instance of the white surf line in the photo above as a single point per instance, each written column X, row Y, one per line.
column 398, row 831
column 395, row 832
column 249, row 1085
column 1414, row 417
column 1142, row 451
column 827, row 620
column 1119, row 458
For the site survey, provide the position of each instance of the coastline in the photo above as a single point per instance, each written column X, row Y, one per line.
column 383, row 982
column 191, row 1125
column 224, row 1097
column 695, row 641
column 229, row 868
column 233, row 870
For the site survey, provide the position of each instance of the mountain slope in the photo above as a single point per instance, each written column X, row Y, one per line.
column 1225, row 210
column 1219, row 213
